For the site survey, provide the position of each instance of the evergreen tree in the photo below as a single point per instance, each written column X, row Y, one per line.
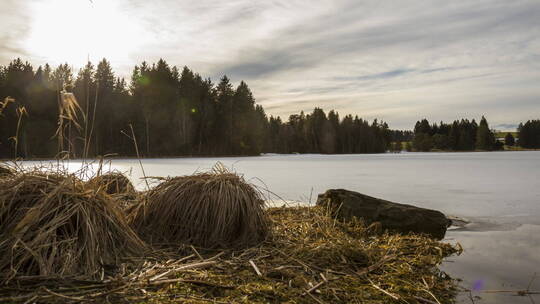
column 422, row 142
column 101, row 123
column 397, row 147
column 509, row 140
column 408, row 147
column 529, row 134
column 243, row 138
column 173, row 112
column 225, row 115
column 422, row 127
column 461, row 135
column 485, row 139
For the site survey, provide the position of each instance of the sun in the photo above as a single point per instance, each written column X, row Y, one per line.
column 73, row 30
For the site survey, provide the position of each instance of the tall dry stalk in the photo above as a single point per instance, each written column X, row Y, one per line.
column 134, row 139
column 21, row 111
column 5, row 103
column 87, row 93
column 60, row 129
column 147, row 135
column 68, row 109
column 89, row 139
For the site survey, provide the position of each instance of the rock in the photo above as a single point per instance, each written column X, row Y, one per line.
column 403, row 218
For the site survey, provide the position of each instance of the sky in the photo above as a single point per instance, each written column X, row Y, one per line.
column 398, row 61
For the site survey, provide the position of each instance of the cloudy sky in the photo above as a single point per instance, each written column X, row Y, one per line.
column 395, row 60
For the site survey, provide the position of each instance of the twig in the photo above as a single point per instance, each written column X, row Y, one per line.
column 531, row 281
column 138, row 155
column 196, row 252
column 197, row 282
column 216, row 256
column 425, row 300
column 255, row 267
column 316, row 286
column 433, row 296
column 100, row 294
column 393, row 296
column 315, row 298
column 517, row 291
column 63, row 296
column 93, row 120
column 181, row 268
column 471, row 297
column 375, row 266
column 31, row 299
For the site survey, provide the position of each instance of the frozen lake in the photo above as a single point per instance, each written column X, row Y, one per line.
column 499, row 192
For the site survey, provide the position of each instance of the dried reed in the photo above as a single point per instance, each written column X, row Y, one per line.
column 53, row 224
column 68, row 115
column 6, row 170
column 210, row 210
column 312, row 258
column 114, row 183
column 21, row 112
column 309, row 258
column 4, row 104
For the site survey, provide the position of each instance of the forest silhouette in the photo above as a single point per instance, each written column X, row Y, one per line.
column 172, row 111
column 167, row 111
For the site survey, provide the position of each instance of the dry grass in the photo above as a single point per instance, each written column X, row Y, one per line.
column 209, row 210
column 115, row 184
column 312, row 258
column 52, row 224
column 309, row 258
column 63, row 240
column 4, row 104
column 6, row 170
column 68, row 116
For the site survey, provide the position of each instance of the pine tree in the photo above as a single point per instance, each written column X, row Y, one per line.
column 509, row 140
column 529, row 134
column 175, row 112
column 243, row 137
column 225, row 114
column 485, row 139
column 408, row 147
column 100, row 123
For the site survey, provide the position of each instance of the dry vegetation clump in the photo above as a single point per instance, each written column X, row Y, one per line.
column 311, row 258
column 64, row 240
column 52, row 224
column 114, row 183
column 218, row 209
column 6, row 170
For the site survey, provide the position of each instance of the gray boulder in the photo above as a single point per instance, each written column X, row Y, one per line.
column 345, row 204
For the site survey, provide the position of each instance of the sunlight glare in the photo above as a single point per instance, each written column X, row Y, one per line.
column 73, row 30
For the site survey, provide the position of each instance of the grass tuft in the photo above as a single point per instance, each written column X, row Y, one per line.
column 218, row 209
column 6, row 170
column 53, row 224
column 115, row 184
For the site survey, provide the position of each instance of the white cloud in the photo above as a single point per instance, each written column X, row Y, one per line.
column 399, row 61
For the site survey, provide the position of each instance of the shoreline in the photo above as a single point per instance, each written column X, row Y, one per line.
column 262, row 154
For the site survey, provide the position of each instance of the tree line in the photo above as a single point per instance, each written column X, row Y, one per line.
column 460, row 135
column 321, row 133
column 162, row 111
column 465, row 135
column 529, row 134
